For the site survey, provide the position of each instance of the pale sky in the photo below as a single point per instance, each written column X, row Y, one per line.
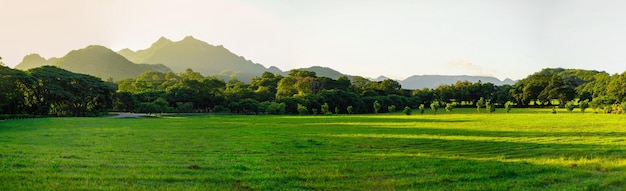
column 399, row 38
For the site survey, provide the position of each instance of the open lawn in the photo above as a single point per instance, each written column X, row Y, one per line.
column 524, row 150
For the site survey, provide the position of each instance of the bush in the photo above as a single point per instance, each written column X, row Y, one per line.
column 508, row 106
column 219, row 109
column 583, row 105
column 376, row 106
column 449, row 107
column 407, row 110
column 421, row 108
column 326, row 109
column 391, row 108
column 302, row 110
column 434, row 106
column 570, row 106
column 349, row 109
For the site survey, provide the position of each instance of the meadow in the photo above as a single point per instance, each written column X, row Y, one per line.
column 529, row 149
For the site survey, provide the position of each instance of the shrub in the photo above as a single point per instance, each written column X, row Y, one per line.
column 349, row 109
column 508, row 106
column 421, row 108
column 480, row 103
column 434, row 106
column 326, row 109
column 570, row 106
column 583, row 105
column 376, row 106
column 302, row 110
column 449, row 107
column 391, row 108
column 407, row 110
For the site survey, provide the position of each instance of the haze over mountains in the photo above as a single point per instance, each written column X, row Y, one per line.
column 165, row 55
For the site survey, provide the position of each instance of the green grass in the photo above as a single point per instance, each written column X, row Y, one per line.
column 524, row 150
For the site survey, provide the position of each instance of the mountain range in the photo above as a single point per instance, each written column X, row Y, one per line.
column 165, row 55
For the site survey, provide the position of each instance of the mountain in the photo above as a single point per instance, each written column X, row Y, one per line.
column 34, row 61
column 93, row 60
column 322, row 72
column 432, row 81
column 199, row 56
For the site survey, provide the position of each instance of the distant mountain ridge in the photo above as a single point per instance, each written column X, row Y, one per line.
column 197, row 55
column 165, row 55
column 432, row 81
column 93, row 60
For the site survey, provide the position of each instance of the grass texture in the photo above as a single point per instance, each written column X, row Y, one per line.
column 462, row 150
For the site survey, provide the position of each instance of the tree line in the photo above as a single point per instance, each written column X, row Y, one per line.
column 51, row 91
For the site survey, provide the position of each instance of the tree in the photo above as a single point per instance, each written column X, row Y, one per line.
column 349, row 109
column 570, row 106
column 376, row 106
column 325, row 109
column 302, row 110
column 434, row 106
column 449, row 107
column 480, row 103
column 490, row 107
column 421, row 108
column 407, row 110
column 507, row 106
column 391, row 108
column 583, row 105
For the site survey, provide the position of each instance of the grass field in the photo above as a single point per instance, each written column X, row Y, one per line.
column 524, row 150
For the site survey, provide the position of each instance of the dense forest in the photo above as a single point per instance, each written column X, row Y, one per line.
column 51, row 91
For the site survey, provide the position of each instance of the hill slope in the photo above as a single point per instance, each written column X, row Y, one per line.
column 96, row 61
column 34, row 61
column 197, row 55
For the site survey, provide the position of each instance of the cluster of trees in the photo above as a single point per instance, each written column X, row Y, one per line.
column 300, row 92
column 572, row 88
column 50, row 90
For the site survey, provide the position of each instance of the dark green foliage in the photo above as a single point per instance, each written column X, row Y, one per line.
column 302, row 110
column 391, row 108
column 325, row 109
column 376, row 106
column 583, row 105
column 570, row 106
column 407, row 110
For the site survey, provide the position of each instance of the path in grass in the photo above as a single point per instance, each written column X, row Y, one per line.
column 370, row 152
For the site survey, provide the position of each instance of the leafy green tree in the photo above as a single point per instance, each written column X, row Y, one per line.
column 570, row 106
column 349, row 109
column 434, row 106
column 162, row 105
column 376, row 106
column 583, row 105
column 480, row 103
column 325, row 109
column 449, row 107
column 490, row 107
column 336, row 110
column 391, row 108
column 302, row 110
column 421, row 108
column 508, row 106
column 407, row 110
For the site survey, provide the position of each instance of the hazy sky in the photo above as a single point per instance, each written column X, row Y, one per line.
column 501, row 38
